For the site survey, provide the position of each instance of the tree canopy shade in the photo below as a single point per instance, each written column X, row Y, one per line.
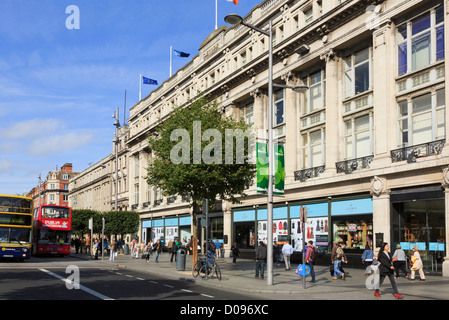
column 200, row 153
column 116, row 222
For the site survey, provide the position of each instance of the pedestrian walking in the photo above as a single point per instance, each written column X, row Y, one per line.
column 87, row 244
column 235, row 252
column 386, row 269
column 399, row 261
column 148, row 250
column 77, row 243
column 337, row 257
column 157, row 248
column 367, row 259
column 311, row 256
column 95, row 249
column 261, row 259
column 113, row 250
column 174, row 249
column 287, row 251
column 417, row 265
column 277, row 254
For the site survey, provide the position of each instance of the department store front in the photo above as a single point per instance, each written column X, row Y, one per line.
column 166, row 229
column 348, row 220
column 418, row 219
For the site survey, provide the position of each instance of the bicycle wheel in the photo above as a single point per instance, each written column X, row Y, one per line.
column 217, row 272
column 196, row 269
column 203, row 272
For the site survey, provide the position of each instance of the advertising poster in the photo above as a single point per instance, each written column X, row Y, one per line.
column 315, row 229
column 279, row 175
column 262, row 167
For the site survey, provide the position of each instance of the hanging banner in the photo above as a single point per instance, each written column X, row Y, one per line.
column 279, row 174
column 262, row 167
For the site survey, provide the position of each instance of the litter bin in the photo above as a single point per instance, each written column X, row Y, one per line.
column 181, row 259
column 126, row 249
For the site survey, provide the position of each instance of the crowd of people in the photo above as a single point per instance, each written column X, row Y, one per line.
column 388, row 264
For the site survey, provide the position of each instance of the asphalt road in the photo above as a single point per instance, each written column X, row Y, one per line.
column 53, row 278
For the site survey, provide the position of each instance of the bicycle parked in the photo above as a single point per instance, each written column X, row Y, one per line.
column 207, row 267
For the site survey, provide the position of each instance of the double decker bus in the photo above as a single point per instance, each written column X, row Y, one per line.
column 16, row 223
column 51, row 230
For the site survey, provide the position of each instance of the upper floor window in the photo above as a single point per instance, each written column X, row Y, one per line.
column 314, row 98
column 422, row 119
column 357, row 73
column 279, row 108
column 313, row 149
column 421, row 41
column 248, row 113
column 358, row 137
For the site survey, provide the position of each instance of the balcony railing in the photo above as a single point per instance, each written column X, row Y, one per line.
column 411, row 153
column 303, row 175
column 348, row 166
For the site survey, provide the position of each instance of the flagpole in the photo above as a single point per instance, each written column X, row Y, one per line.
column 216, row 14
column 171, row 60
column 140, row 87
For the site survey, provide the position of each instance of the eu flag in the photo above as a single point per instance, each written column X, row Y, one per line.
column 149, row 81
column 181, row 54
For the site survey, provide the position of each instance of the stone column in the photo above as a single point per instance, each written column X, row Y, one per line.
column 227, row 225
column 385, row 107
column 291, row 143
column 259, row 121
column 381, row 209
column 445, row 184
column 332, row 112
column 446, row 72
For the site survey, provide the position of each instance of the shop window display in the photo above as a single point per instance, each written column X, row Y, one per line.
column 353, row 233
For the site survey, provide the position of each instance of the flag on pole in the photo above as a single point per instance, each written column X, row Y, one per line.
column 234, row 1
column 181, row 54
column 149, row 81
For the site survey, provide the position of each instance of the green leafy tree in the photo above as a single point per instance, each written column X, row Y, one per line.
column 121, row 222
column 80, row 221
column 198, row 153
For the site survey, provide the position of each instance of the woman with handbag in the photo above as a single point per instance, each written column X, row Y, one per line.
column 386, row 269
column 417, row 265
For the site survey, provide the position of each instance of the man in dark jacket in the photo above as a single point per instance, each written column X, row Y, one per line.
column 174, row 250
column 261, row 259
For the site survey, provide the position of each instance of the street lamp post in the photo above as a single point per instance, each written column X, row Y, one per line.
column 235, row 19
column 116, row 142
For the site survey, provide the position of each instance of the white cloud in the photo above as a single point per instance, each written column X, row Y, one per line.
column 58, row 143
column 30, row 129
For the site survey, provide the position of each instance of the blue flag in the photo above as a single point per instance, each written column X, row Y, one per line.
column 149, row 81
column 181, row 54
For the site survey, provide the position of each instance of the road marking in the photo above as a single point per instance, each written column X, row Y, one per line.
column 168, row 286
column 190, row 291
column 206, row 295
column 92, row 292
column 140, row 279
column 154, row 282
column 129, row 276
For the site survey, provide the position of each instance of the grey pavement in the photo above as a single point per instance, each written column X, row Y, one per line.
column 241, row 278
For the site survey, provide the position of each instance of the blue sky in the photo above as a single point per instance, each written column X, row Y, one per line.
column 59, row 87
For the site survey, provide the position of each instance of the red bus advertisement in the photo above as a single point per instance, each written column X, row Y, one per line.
column 51, row 230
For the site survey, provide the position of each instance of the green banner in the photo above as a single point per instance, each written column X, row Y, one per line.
column 262, row 168
column 279, row 174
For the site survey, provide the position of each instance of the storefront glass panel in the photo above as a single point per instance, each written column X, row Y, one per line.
column 421, row 223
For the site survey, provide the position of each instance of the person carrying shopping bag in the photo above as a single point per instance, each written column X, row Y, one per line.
column 417, row 265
